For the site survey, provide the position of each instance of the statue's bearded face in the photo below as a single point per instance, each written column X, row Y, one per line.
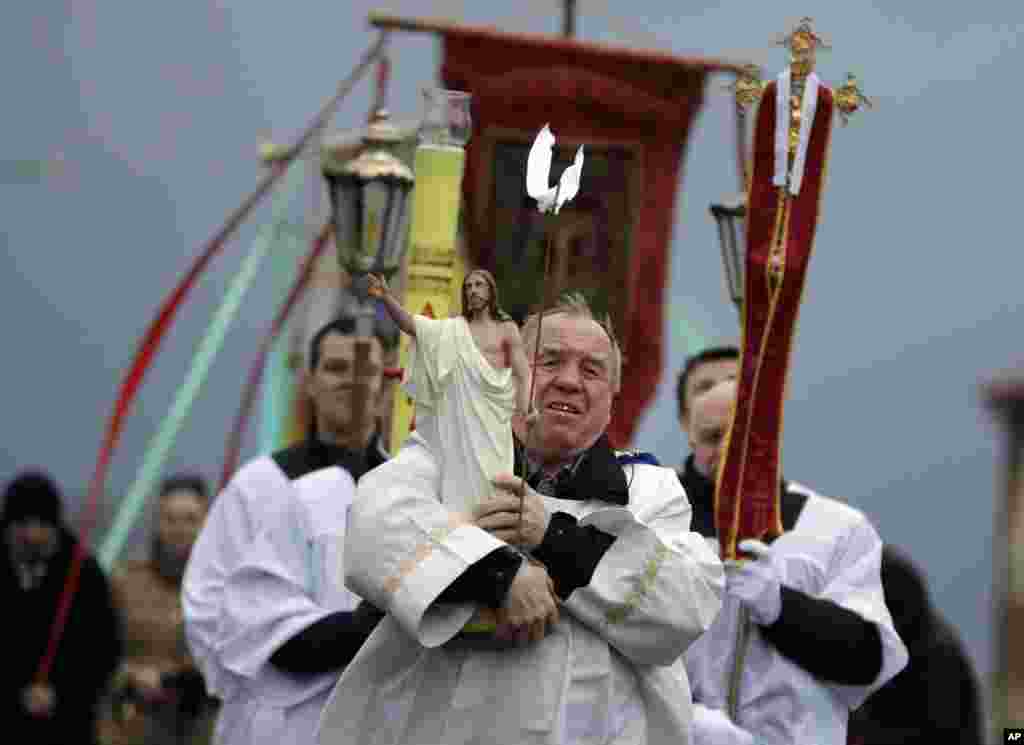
column 476, row 293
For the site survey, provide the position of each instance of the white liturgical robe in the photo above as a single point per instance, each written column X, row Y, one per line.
column 239, row 512
column 463, row 409
column 608, row 672
column 832, row 552
column 290, row 578
column 261, row 494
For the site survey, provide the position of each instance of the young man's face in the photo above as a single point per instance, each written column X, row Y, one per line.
column 334, row 382
column 703, row 378
column 709, row 424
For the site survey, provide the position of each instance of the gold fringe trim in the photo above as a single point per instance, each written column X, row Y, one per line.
column 437, row 536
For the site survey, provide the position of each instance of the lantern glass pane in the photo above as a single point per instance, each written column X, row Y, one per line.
column 723, row 242
column 738, row 256
column 345, row 205
column 373, row 213
column 396, row 225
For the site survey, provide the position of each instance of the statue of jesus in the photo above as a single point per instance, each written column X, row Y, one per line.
column 468, row 376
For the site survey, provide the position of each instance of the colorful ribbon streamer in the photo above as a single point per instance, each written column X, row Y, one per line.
column 152, row 339
column 252, row 384
column 277, row 391
column 162, row 443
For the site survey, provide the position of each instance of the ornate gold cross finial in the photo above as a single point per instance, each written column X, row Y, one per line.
column 849, row 98
column 803, row 43
column 748, row 87
column 803, row 34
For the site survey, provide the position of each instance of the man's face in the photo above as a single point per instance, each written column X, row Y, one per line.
column 710, row 418
column 32, row 539
column 181, row 517
column 477, row 293
column 703, row 378
column 573, row 386
column 332, row 385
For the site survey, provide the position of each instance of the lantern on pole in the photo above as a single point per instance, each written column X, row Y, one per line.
column 730, row 215
column 370, row 207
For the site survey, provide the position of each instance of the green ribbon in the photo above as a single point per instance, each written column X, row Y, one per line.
column 277, row 395
column 160, row 446
column 278, row 386
column 686, row 330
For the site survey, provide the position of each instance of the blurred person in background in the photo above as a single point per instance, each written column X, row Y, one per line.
column 158, row 695
column 266, row 619
column 935, row 698
column 820, row 638
column 37, row 553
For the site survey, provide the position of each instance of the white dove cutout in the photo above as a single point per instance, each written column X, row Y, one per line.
column 538, row 170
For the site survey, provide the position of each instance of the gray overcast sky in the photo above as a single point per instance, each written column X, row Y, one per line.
column 914, row 289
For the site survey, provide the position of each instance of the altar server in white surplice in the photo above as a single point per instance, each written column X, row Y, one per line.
column 266, row 613
column 597, row 582
column 288, row 624
column 820, row 638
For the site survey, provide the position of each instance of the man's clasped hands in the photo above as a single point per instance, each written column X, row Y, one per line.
column 516, row 514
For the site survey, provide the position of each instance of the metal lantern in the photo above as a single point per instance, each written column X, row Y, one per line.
column 370, row 202
column 730, row 215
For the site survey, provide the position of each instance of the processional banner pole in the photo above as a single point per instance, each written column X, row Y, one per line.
column 792, row 131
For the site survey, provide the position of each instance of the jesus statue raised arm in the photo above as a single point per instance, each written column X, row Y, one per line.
column 468, row 376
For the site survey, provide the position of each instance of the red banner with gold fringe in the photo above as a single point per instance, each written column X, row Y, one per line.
column 633, row 111
column 747, row 490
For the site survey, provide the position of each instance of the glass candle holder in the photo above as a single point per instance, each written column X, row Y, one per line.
column 446, row 118
column 439, row 164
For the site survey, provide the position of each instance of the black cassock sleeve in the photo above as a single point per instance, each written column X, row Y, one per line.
column 487, row 581
column 825, row 639
column 568, row 552
column 329, row 644
column 571, row 553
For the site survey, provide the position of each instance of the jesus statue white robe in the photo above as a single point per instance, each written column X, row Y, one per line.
column 463, row 409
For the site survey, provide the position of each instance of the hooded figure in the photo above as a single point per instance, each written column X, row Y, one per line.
column 158, row 695
column 37, row 553
column 935, row 698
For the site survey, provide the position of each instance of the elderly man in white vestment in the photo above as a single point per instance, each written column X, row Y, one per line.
column 820, row 637
column 267, row 616
column 597, row 581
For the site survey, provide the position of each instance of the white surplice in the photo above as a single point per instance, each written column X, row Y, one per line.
column 608, row 672
column 832, row 552
column 290, row 578
column 463, row 409
column 247, row 503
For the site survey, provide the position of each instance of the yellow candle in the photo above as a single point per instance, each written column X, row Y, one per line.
column 435, row 223
column 436, row 198
column 435, row 268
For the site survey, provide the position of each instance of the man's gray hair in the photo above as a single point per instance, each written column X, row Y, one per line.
column 574, row 304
